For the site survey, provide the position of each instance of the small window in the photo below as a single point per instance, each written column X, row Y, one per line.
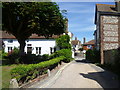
column 9, row 49
column 38, row 50
column 10, row 41
column 54, row 49
column 50, row 50
column 29, row 44
column 89, row 46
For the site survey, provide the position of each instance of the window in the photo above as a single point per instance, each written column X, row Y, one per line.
column 89, row 46
column 10, row 41
column 9, row 49
column 38, row 50
column 29, row 44
column 29, row 50
column 52, row 50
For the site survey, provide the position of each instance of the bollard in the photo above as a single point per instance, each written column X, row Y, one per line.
column 13, row 83
column 48, row 72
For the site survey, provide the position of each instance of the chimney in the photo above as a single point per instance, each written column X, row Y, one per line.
column 84, row 40
column 75, row 38
column 117, row 5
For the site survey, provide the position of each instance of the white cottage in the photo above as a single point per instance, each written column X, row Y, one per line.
column 38, row 45
column 35, row 44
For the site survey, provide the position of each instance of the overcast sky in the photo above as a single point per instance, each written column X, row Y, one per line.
column 81, row 17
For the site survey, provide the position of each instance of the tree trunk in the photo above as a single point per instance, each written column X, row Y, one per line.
column 22, row 46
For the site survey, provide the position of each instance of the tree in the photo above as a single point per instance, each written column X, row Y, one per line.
column 63, row 42
column 22, row 19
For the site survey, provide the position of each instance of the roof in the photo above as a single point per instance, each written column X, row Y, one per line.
column 91, row 42
column 105, row 8
column 75, row 42
column 6, row 35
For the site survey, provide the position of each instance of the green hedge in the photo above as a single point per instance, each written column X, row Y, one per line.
column 93, row 55
column 67, row 53
column 23, row 73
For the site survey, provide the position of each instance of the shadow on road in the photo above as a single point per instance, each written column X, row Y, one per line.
column 105, row 79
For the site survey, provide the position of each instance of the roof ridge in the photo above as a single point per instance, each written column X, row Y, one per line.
column 105, row 4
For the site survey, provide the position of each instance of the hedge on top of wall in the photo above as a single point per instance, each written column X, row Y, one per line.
column 24, row 73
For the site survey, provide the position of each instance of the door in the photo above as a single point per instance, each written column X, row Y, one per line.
column 29, row 50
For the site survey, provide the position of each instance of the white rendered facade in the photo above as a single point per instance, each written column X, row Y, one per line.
column 46, row 45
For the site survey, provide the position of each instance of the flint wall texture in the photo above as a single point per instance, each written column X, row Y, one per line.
column 110, row 32
column 110, row 29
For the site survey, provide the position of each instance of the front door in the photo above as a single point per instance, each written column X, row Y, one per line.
column 29, row 50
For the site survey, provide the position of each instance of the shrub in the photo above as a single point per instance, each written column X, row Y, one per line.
column 63, row 42
column 13, row 57
column 28, row 59
column 23, row 73
column 45, row 57
column 67, row 53
column 4, row 55
column 93, row 55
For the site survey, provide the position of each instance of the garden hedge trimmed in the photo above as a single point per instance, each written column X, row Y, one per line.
column 67, row 53
column 23, row 73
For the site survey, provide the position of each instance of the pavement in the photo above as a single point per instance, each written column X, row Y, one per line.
column 80, row 74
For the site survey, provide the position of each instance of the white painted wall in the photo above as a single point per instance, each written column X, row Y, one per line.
column 45, row 45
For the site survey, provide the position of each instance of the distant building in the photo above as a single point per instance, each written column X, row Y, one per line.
column 107, row 34
column 76, row 44
column 89, row 45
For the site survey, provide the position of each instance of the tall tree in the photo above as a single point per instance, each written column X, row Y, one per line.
column 22, row 19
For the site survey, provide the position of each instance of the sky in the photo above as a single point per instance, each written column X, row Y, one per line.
column 81, row 16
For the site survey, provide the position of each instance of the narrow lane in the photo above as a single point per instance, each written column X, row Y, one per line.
column 82, row 74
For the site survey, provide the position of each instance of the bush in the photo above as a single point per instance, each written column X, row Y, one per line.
column 45, row 57
column 13, row 57
column 4, row 55
column 63, row 42
column 67, row 53
column 23, row 73
column 28, row 59
column 93, row 55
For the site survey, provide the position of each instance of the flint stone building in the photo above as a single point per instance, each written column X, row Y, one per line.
column 107, row 33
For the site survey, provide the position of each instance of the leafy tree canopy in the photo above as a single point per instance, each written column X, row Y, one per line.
column 24, row 18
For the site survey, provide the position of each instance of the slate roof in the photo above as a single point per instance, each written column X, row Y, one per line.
column 91, row 42
column 5, row 35
column 105, row 8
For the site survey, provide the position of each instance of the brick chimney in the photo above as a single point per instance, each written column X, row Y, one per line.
column 84, row 40
column 75, row 38
column 117, row 5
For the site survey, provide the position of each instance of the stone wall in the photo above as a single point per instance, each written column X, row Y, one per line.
column 110, row 32
column 110, row 37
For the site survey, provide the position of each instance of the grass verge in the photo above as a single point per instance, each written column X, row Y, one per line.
column 6, row 77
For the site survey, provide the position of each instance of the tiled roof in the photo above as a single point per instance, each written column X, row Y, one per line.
column 91, row 42
column 6, row 35
column 75, row 42
column 105, row 8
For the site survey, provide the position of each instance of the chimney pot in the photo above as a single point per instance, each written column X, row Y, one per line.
column 84, row 40
column 75, row 38
column 117, row 5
